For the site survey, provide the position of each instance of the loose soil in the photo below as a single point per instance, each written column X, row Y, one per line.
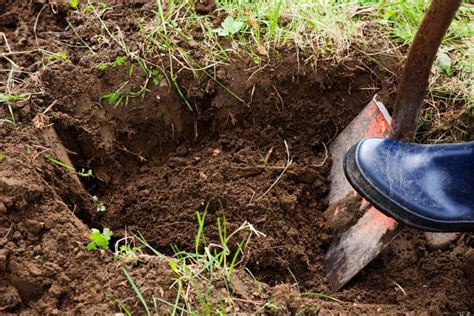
column 156, row 163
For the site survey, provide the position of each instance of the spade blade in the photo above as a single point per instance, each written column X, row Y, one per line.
column 358, row 246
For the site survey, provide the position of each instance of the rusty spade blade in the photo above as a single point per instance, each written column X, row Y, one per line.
column 358, row 246
column 363, row 241
column 374, row 231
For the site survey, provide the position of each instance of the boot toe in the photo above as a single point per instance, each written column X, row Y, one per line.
column 426, row 186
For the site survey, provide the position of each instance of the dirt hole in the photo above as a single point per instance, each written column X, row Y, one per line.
column 156, row 163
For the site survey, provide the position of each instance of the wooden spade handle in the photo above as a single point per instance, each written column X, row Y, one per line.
column 412, row 88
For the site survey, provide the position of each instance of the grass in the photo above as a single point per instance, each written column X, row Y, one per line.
column 7, row 99
column 82, row 173
column 178, row 39
column 198, row 273
column 201, row 275
column 315, row 30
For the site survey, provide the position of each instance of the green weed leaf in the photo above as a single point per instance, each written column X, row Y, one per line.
column 229, row 27
column 74, row 3
column 58, row 56
column 102, row 66
column 99, row 205
column 156, row 76
column 119, row 60
column 99, row 239
column 443, row 61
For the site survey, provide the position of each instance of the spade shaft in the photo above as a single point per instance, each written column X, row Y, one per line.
column 421, row 55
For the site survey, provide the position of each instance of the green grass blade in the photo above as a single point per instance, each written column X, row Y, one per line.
column 123, row 307
column 137, row 291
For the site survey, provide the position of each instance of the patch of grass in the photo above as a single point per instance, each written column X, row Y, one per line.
column 400, row 19
column 198, row 273
column 307, row 25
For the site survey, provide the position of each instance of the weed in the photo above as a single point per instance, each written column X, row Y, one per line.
column 114, row 98
column 82, row 173
column 7, row 99
column 229, row 27
column 157, row 77
column 88, row 8
column 98, row 239
column 99, row 205
column 196, row 272
column 443, row 61
column 85, row 173
column 126, row 251
column 127, row 254
column 119, row 61
column 61, row 56
column 2, row 157
column 74, row 3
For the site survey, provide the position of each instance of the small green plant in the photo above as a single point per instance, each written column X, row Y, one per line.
column 99, row 205
column 98, row 239
column 74, row 3
column 82, row 173
column 2, row 157
column 7, row 99
column 157, row 76
column 443, row 62
column 229, row 27
column 116, row 97
column 127, row 253
column 209, row 263
column 119, row 61
column 85, row 173
column 62, row 56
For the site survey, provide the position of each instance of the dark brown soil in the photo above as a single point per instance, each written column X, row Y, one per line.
column 156, row 163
